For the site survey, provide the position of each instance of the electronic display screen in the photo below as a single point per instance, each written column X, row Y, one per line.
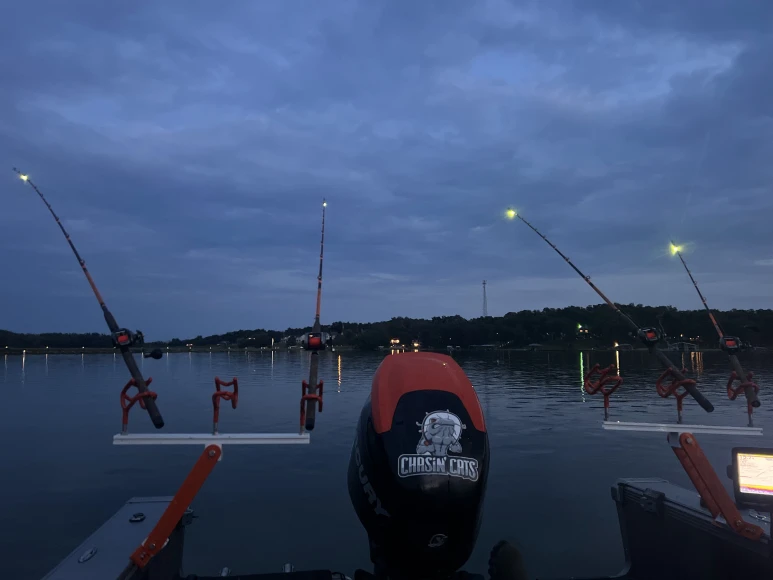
column 754, row 472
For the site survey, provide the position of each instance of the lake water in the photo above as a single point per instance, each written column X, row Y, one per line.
column 551, row 463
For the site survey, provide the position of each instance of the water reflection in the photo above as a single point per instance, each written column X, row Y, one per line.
column 696, row 361
column 339, row 373
column 617, row 361
column 46, row 364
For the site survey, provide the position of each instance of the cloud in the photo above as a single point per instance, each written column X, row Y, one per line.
column 188, row 148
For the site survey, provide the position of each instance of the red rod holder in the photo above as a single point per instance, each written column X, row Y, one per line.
column 306, row 396
column 733, row 392
column 673, row 389
column 603, row 384
column 232, row 396
column 709, row 486
column 127, row 402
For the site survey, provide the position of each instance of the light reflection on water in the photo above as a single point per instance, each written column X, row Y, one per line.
column 552, row 464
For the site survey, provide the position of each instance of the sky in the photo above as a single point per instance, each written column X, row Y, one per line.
column 187, row 147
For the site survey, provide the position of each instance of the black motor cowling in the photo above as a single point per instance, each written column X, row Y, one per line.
column 418, row 470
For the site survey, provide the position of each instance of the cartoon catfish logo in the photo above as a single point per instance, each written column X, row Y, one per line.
column 441, row 432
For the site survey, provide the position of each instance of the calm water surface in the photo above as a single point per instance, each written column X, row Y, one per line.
column 551, row 463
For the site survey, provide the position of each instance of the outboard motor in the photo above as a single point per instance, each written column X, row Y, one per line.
column 418, row 469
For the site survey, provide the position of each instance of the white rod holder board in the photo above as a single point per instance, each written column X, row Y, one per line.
column 680, row 428
column 209, row 439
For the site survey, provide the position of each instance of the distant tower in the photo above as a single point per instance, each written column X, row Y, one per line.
column 485, row 300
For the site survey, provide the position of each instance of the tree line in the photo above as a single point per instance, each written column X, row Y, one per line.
column 573, row 326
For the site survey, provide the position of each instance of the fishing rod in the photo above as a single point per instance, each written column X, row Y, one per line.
column 730, row 344
column 649, row 336
column 314, row 343
column 122, row 338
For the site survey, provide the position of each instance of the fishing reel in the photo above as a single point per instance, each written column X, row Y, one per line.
column 315, row 341
column 731, row 344
column 649, row 336
column 123, row 337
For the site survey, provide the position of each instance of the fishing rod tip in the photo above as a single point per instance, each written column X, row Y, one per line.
column 324, row 203
column 511, row 213
column 675, row 249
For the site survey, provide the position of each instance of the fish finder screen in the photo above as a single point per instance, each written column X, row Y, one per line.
column 755, row 473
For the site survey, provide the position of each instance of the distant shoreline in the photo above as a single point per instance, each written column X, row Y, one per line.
column 138, row 351
column 343, row 348
column 569, row 329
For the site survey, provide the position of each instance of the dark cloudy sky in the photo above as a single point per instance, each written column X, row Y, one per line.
column 187, row 147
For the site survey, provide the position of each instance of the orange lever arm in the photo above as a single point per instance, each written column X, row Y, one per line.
column 709, row 486
column 182, row 500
